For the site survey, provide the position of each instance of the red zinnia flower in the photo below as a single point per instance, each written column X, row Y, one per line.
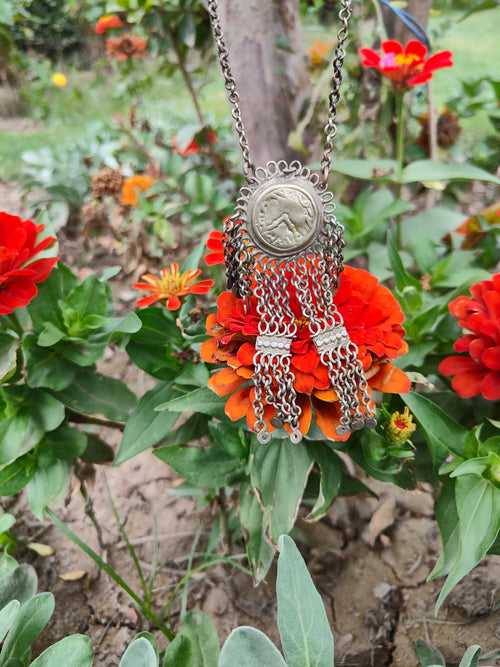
column 477, row 372
column 170, row 286
column 19, row 275
column 197, row 143
column 406, row 66
column 108, row 22
column 215, row 243
column 373, row 319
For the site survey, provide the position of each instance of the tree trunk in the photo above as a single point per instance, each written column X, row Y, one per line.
column 266, row 54
column 419, row 9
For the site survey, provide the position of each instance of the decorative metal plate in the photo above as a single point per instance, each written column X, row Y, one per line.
column 284, row 216
column 284, row 209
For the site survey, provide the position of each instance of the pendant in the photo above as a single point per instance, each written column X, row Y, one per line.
column 285, row 242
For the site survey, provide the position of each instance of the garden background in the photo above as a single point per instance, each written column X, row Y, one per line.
column 115, row 137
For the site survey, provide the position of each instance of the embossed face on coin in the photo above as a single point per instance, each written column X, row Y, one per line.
column 284, row 217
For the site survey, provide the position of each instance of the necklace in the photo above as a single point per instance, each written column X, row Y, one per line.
column 284, row 239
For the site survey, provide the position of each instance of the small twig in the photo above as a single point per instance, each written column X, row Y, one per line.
column 77, row 418
column 90, row 512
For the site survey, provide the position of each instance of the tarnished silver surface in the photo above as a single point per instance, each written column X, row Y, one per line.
column 284, row 216
column 276, row 345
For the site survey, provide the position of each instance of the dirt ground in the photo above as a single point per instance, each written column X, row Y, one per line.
column 370, row 559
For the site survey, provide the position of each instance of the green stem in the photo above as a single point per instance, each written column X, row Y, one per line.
column 400, row 154
column 111, row 572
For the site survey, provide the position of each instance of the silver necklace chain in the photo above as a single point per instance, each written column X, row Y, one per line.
column 345, row 14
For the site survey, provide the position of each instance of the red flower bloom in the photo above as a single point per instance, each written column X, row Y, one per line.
column 406, row 66
column 170, row 286
column 198, row 143
column 19, row 275
column 215, row 243
column 108, row 22
column 478, row 370
column 373, row 319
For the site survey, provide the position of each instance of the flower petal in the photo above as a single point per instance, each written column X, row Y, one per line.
column 225, row 381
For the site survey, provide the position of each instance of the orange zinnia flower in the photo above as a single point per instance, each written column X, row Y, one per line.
column 170, row 285
column 406, row 66
column 126, row 46
column 373, row 319
column 478, row 371
column 133, row 186
column 319, row 52
column 108, row 22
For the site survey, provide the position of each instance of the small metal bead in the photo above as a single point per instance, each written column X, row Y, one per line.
column 370, row 422
column 357, row 424
column 343, row 430
column 264, row 437
column 296, row 437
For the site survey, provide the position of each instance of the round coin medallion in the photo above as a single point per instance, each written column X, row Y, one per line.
column 284, row 217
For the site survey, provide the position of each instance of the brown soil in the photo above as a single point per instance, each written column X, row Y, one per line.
column 370, row 559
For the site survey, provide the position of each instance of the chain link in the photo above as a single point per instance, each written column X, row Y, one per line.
column 345, row 14
column 230, row 85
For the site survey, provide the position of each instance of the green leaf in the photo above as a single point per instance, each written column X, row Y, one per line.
column 368, row 169
column 46, row 368
column 72, row 651
column 478, row 507
column 48, row 486
column 178, row 653
column 32, row 618
column 402, row 277
column 212, row 466
column 471, row 657
column 8, row 615
column 128, row 324
column 199, row 630
column 331, row 474
column 45, row 308
column 279, row 474
column 427, row 655
column 38, row 412
column 66, row 443
column 248, row 647
column 442, row 433
column 97, row 395
column 146, row 427
column 19, row 584
column 479, row 7
column 305, row 632
column 471, row 467
column 6, row 522
column 200, row 400
column 193, row 375
column 50, row 335
column 152, row 346
column 140, row 653
column 15, row 476
column 432, row 170
column 97, row 451
column 91, row 297
column 260, row 552
column 8, row 355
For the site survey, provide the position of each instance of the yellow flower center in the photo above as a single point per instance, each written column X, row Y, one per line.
column 172, row 282
column 59, row 80
column 406, row 59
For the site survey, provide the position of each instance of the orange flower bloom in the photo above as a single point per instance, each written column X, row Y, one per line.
column 108, row 22
column 133, row 186
column 373, row 319
column 478, row 371
column 406, row 66
column 198, row 143
column 170, row 285
column 126, row 46
column 319, row 52
column 215, row 243
column 472, row 229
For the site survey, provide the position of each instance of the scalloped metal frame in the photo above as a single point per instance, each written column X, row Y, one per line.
column 290, row 174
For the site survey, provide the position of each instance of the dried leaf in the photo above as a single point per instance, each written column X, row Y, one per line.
column 73, row 575
column 382, row 519
column 42, row 550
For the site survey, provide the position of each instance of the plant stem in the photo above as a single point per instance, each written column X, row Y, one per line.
column 113, row 574
column 186, row 76
column 400, row 154
column 77, row 418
